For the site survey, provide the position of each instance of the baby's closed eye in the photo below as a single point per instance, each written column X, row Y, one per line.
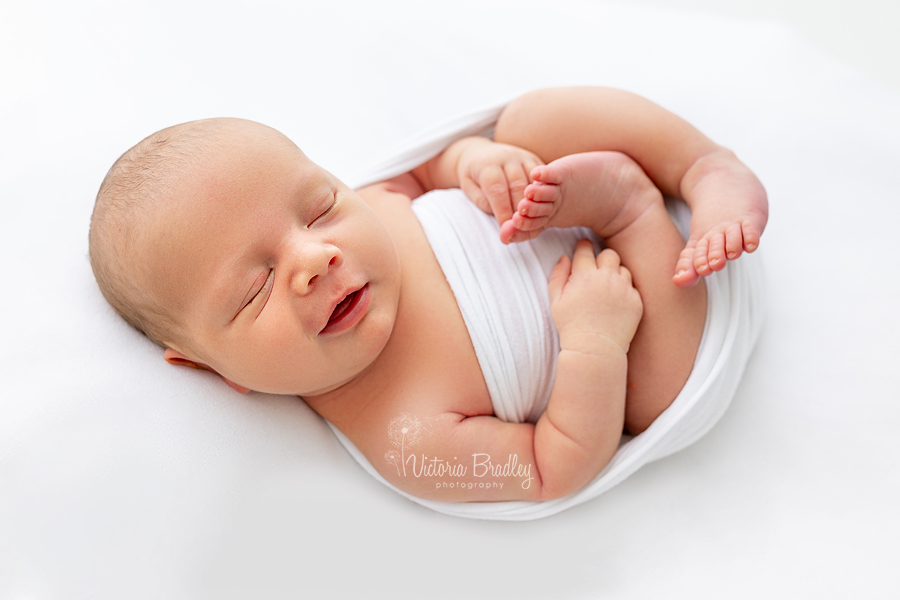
column 328, row 210
column 262, row 292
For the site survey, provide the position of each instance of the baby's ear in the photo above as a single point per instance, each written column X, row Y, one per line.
column 174, row 357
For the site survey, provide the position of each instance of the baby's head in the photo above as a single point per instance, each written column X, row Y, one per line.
column 225, row 245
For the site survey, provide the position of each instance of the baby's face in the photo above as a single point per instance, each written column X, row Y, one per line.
column 285, row 280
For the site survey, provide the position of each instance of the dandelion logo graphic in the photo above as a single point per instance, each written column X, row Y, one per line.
column 404, row 432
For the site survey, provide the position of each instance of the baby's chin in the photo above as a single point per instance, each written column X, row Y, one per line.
column 328, row 389
column 358, row 361
column 349, row 379
column 374, row 337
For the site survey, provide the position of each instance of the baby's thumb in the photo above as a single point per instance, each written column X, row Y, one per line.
column 558, row 277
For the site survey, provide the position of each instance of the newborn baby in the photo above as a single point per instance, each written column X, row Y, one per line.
column 230, row 249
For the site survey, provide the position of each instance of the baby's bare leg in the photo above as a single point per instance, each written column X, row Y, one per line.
column 728, row 204
column 610, row 193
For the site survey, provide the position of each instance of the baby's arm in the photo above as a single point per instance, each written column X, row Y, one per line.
column 596, row 310
column 729, row 204
column 434, row 452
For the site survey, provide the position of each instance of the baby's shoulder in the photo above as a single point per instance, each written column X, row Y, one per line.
column 402, row 188
column 391, row 201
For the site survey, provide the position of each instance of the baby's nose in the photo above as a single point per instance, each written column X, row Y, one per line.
column 314, row 277
column 313, row 266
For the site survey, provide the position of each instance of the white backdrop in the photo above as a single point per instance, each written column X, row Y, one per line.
column 121, row 476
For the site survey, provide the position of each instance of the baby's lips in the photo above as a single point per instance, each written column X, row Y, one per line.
column 349, row 314
column 340, row 294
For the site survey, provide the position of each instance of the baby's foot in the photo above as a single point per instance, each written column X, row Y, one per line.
column 729, row 211
column 605, row 191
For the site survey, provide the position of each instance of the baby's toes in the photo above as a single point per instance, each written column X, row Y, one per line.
column 529, row 223
column 524, row 236
column 509, row 233
column 701, row 257
column 532, row 209
column 553, row 174
column 751, row 235
column 685, row 274
column 539, row 192
column 734, row 241
column 715, row 256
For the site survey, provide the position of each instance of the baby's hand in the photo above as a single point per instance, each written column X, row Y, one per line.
column 494, row 176
column 592, row 300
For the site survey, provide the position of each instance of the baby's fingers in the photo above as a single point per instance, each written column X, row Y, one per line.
column 517, row 177
column 473, row 192
column 584, row 256
column 609, row 258
column 495, row 188
column 558, row 278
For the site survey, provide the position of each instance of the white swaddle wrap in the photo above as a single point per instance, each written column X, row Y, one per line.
column 502, row 295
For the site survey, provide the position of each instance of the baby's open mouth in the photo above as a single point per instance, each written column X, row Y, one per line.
column 343, row 306
column 345, row 314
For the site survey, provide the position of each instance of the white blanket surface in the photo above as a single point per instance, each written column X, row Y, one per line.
column 124, row 477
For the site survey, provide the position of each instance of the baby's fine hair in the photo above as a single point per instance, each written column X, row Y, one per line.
column 134, row 191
